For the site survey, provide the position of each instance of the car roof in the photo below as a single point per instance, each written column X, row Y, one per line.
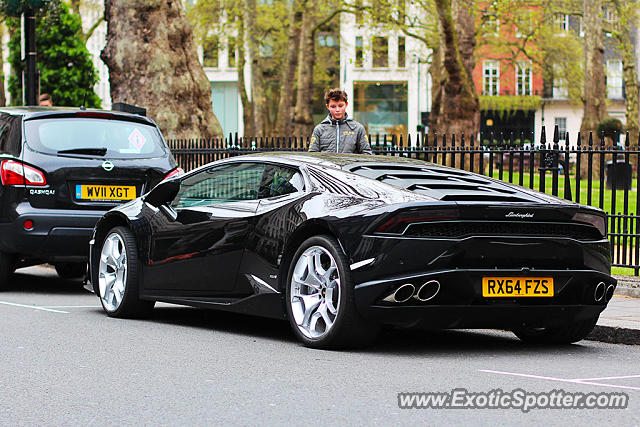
column 335, row 160
column 30, row 112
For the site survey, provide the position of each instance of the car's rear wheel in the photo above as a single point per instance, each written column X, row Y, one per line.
column 117, row 275
column 320, row 298
column 6, row 268
column 71, row 270
column 566, row 334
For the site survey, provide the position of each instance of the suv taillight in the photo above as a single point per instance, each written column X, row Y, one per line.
column 17, row 173
column 174, row 172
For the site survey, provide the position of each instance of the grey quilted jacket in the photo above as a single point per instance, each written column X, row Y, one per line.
column 340, row 136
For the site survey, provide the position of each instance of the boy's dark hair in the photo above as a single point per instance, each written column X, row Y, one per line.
column 335, row 94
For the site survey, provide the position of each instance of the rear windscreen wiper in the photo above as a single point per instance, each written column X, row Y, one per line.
column 94, row 151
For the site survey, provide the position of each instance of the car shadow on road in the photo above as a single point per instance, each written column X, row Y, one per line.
column 390, row 342
column 223, row 321
column 468, row 342
column 43, row 280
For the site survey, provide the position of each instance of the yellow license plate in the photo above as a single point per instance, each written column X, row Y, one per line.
column 517, row 286
column 105, row 192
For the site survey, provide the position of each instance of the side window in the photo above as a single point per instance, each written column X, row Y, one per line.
column 10, row 134
column 280, row 180
column 227, row 183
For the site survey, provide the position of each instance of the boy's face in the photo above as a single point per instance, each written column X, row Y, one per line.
column 337, row 108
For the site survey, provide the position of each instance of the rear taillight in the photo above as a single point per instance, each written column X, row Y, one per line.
column 17, row 173
column 592, row 219
column 399, row 222
column 174, row 172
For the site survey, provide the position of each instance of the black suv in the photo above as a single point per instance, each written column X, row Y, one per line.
column 60, row 170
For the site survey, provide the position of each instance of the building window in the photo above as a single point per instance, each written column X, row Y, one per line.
column 524, row 23
column 380, row 52
column 561, row 122
column 491, row 78
column 381, row 106
column 559, row 85
column 562, row 23
column 231, row 52
column 210, row 52
column 523, row 78
column 327, row 40
column 359, row 52
column 614, row 79
column 491, row 25
column 402, row 56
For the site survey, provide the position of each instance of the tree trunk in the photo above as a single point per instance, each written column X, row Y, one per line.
column 153, row 63
column 437, row 87
column 285, row 102
column 595, row 108
column 459, row 112
column 258, row 97
column 247, row 105
column 302, row 117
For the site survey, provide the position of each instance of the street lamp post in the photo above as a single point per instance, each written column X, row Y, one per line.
column 30, row 93
column 27, row 10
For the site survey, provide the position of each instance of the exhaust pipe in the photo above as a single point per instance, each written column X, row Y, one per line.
column 599, row 292
column 402, row 294
column 428, row 291
column 609, row 293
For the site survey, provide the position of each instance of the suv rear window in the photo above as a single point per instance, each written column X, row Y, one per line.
column 122, row 139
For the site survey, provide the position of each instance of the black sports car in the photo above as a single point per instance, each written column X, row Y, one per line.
column 341, row 244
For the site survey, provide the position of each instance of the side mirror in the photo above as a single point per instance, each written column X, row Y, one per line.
column 163, row 193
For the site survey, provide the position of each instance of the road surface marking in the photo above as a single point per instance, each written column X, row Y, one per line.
column 71, row 306
column 607, row 378
column 565, row 380
column 34, row 307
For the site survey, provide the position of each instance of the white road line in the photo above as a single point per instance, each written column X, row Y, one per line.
column 34, row 307
column 564, row 380
column 607, row 378
column 70, row 306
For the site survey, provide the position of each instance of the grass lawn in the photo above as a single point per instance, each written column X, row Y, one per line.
column 622, row 271
column 620, row 195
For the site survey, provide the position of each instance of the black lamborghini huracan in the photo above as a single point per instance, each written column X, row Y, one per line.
column 341, row 244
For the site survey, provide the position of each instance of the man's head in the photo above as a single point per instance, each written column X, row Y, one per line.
column 336, row 100
column 45, row 100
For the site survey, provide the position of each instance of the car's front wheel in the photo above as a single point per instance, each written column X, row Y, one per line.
column 116, row 272
column 71, row 270
column 566, row 334
column 320, row 298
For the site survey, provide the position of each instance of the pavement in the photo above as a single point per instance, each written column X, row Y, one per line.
column 620, row 322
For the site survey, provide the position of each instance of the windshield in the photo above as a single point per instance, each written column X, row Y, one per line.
column 91, row 136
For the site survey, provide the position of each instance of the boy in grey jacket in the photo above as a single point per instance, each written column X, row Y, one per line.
column 339, row 133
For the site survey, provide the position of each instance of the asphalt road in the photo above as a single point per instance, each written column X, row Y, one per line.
column 63, row 362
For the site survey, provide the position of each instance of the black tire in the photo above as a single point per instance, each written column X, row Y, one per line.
column 71, row 270
column 349, row 329
column 130, row 306
column 6, row 268
column 566, row 334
